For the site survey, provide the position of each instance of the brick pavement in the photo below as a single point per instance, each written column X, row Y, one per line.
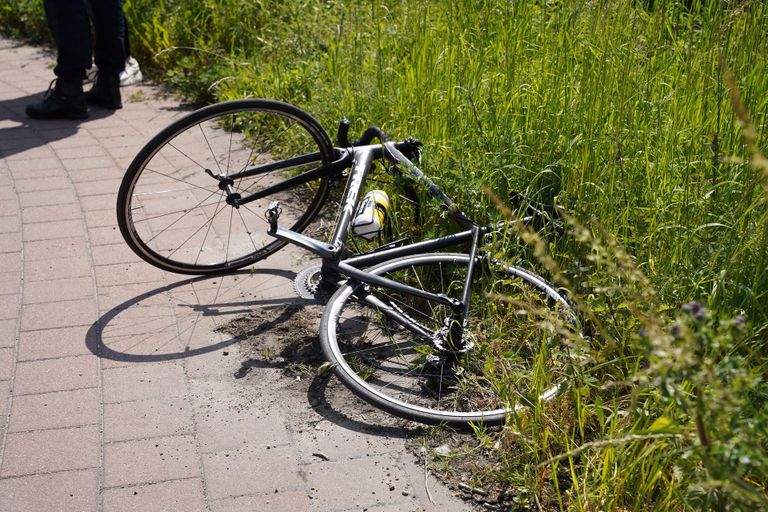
column 116, row 390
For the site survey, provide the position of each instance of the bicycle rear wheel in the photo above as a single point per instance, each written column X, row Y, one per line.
column 516, row 328
column 171, row 210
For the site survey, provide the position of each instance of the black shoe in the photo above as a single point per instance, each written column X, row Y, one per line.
column 65, row 100
column 105, row 93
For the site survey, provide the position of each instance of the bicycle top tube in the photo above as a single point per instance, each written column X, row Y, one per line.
column 394, row 155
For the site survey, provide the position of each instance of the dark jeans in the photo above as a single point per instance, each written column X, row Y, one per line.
column 68, row 21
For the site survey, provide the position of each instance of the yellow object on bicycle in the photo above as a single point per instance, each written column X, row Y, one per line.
column 371, row 214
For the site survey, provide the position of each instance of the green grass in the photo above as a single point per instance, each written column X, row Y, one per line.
column 619, row 112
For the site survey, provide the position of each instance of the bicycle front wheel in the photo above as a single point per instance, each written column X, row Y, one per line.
column 171, row 209
column 515, row 353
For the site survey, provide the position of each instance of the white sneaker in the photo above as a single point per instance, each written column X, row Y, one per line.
column 131, row 74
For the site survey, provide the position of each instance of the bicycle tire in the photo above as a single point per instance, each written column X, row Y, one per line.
column 401, row 381
column 174, row 215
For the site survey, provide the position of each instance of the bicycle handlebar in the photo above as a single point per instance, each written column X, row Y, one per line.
column 372, row 132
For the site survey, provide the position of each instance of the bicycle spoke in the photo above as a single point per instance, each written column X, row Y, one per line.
column 186, row 210
column 170, row 178
column 245, row 226
column 188, row 157
column 205, row 238
column 195, row 233
column 179, row 219
column 213, row 154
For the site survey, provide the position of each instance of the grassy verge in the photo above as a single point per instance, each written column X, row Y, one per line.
column 619, row 111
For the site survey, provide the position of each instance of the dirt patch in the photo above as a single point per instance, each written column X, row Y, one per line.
column 469, row 468
column 286, row 338
column 281, row 337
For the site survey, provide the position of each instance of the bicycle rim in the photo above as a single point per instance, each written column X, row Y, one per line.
column 517, row 326
column 173, row 213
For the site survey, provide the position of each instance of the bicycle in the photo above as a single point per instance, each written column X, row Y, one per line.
column 417, row 332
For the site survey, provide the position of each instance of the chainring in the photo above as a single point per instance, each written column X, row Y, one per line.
column 307, row 284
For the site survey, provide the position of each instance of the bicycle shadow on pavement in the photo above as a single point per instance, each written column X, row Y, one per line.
column 178, row 320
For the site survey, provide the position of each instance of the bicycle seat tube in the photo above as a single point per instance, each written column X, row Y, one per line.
column 362, row 160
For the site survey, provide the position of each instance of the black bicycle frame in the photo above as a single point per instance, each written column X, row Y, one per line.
column 331, row 169
column 360, row 160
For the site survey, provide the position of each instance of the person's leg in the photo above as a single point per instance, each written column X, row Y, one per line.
column 127, row 39
column 68, row 22
column 109, row 52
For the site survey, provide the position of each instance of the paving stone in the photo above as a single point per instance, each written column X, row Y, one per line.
column 48, row 167
column 130, row 295
column 9, row 306
column 8, row 208
column 36, row 185
column 147, row 418
column 356, row 483
column 47, row 198
column 212, row 358
column 6, row 363
column 31, row 154
column 55, row 410
column 277, row 469
column 75, row 247
column 126, row 351
column 340, row 444
column 56, row 268
column 81, row 140
column 279, row 502
column 57, row 492
column 10, row 224
column 225, row 429
column 101, row 218
column 158, row 326
column 53, row 230
column 37, row 292
column 93, row 162
column 100, row 202
column 5, row 393
column 108, row 235
column 100, row 187
column 10, row 284
column 112, row 254
column 51, row 213
column 10, row 241
column 58, row 314
column 150, row 460
column 8, row 333
column 94, row 150
column 177, row 495
column 48, row 451
column 143, row 381
column 62, row 374
column 56, row 342
column 100, row 173
column 128, row 273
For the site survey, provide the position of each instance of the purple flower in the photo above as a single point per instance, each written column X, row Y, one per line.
column 693, row 307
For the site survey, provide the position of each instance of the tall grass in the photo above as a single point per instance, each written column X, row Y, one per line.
column 618, row 111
